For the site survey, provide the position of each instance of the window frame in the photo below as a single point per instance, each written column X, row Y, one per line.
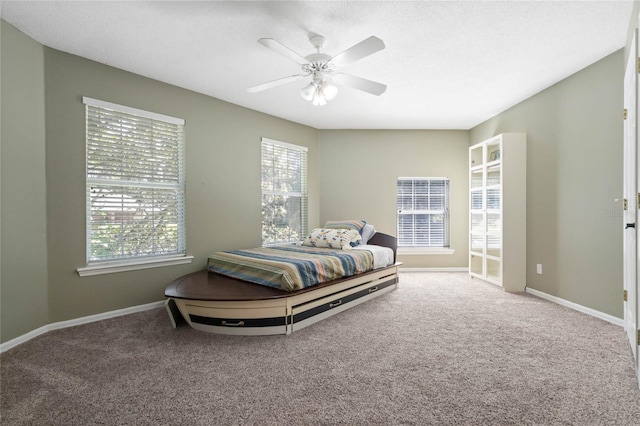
column 302, row 194
column 147, row 260
column 426, row 249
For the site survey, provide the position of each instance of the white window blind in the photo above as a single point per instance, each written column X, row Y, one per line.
column 135, row 183
column 284, row 192
column 423, row 212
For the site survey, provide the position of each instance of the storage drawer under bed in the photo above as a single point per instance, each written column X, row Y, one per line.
column 305, row 314
column 227, row 318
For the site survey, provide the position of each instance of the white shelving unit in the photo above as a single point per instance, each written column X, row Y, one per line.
column 498, row 210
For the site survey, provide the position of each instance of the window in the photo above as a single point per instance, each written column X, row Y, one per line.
column 423, row 212
column 284, row 192
column 135, row 184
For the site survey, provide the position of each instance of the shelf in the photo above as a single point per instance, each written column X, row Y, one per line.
column 497, row 200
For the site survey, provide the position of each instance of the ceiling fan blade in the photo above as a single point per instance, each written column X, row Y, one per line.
column 360, row 83
column 283, row 50
column 275, row 83
column 365, row 48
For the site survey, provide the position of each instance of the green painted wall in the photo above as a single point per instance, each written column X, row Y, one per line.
column 574, row 173
column 23, row 260
column 359, row 173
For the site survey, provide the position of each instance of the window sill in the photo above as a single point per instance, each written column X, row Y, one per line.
column 410, row 251
column 132, row 265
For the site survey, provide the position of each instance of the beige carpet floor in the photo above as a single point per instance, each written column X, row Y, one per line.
column 440, row 350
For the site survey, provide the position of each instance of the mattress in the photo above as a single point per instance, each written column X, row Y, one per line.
column 382, row 256
column 293, row 267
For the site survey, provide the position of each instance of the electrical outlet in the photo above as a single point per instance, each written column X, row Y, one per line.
column 539, row 268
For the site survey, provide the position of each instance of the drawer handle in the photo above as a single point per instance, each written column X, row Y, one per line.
column 233, row 324
column 333, row 305
column 372, row 289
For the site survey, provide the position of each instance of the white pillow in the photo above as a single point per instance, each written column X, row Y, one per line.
column 368, row 231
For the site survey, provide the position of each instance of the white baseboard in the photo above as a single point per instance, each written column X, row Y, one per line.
column 576, row 307
column 78, row 321
column 440, row 269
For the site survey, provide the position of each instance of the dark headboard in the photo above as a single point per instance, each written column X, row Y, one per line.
column 385, row 240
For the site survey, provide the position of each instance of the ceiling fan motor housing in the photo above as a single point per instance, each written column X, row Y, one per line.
column 317, row 41
column 319, row 66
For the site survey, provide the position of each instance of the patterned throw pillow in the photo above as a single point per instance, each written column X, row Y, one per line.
column 332, row 238
column 346, row 224
column 357, row 225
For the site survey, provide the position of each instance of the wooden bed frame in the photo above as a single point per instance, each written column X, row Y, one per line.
column 218, row 304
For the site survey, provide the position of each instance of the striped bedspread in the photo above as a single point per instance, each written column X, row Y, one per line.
column 290, row 267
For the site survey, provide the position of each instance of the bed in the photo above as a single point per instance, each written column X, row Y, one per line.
column 279, row 290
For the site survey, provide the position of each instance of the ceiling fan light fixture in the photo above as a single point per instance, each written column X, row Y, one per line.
column 319, row 92
column 308, row 92
column 319, row 98
column 319, row 101
column 329, row 90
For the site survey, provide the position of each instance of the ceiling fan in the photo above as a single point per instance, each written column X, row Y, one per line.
column 324, row 69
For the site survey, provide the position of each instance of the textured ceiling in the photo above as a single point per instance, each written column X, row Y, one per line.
column 447, row 65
